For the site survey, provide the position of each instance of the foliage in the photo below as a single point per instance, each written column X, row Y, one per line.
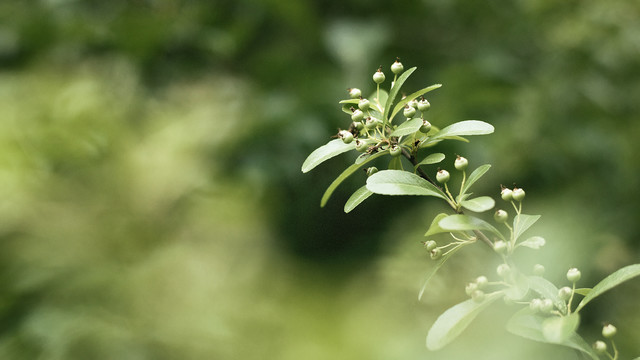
column 548, row 314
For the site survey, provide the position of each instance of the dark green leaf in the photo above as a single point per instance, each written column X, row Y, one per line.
column 467, row 223
column 547, row 290
column 402, row 103
column 475, row 176
column 397, row 182
column 408, row 127
column 523, row 222
column 453, row 321
column 535, row 242
column 613, row 280
column 394, row 91
column 325, row 152
column 359, row 196
column 431, row 159
column 345, row 174
column 479, row 204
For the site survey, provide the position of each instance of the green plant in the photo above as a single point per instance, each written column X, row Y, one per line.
column 548, row 314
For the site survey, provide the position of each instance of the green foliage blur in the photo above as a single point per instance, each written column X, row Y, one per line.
column 151, row 199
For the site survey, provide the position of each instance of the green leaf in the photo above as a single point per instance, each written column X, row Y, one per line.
column 523, row 222
column 402, row 103
column 325, row 152
column 435, row 269
column 394, row 91
column 454, row 320
column 396, row 163
column 583, row 291
column 398, row 182
column 519, row 286
column 467, row 223
column 430, row 159
column 349, row 101
column 462, row 128
column 475, row 176
column 547, row 290
column 535, row 242
column 611, row 281
column 408, row 127
column 557, row 329
column 345, row 174
column 529, row 326
column 479, row 204
column 435, row 228
column 359, row 196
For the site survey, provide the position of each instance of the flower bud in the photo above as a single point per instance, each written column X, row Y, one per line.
column 364, row 104
column 573, row 275
column 395, row 150
column 600, row 347
column 470, row 288
column 503, row 270
column 430, row 245
column 538, row 270
column 461, row 163
column 346, row 136
column 397, row 67
column 609, row 331
column 357, row 115
column 372, row 170
column 443, row 176
column 423, row 105
column 535, row 304
column 564, row 293
column 500, row 216
column 478, row 296
column 409, row 111
column 426, row 127
column 518, row 194
column 506, row 194
column 354, row 93
column 436, row 253
column 500, row 247
column 378, row 76
column 482, row 281
column 546, row 306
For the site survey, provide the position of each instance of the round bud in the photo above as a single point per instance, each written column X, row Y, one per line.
column 409, row 111
column 535, row 304
column 372, row 122
column 609, row 331
column 478, row 296
column 500, row 247
column 518, row 194
column 413, row 103
column 426, row 127
column 430, row 245
column 470, row 288
column 378, row 77
column 573, row 275
column 443, row 176
column 600, row 347
column 362, row 145
column 503, row 270
column 500, row 216
column 461, row 163
column 538, row 270
column 395, row 150
column 346, row 136
column 482, row 281
column 364, row 104
column 397, row 67
column 506, row 194
column 357, row 125
column 372, row 170
column 546, row 306
column 357, row 115
column 436, row 253
column 423, row 105
column 564, row 293
column 354, row 93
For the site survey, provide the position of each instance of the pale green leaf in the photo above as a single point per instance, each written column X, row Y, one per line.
column 345, row 174
column 454, row 320
column 325, row 152
column 431, row 159
column 358, row 197
column 394, row 91
column 408, row 127
column 523, row 222
column 547, row 290
column 398, row 182
column 475, row 176
column 557, row 329
column 467, row 223
column 519, row 287
column 435, row 228
column 435, row 269
column 463, row 128
column 349, row 101
column 402, row 103
column 583, row 291
column 611, row 281
column 535, row 242
column 479, row 204
column 529, row 326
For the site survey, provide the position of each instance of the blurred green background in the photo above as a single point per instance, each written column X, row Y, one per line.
column 151, row 199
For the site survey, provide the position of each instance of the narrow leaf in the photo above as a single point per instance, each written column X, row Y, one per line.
column 453, row 321
column 479, row 204
column 435, row 228
column 535, row 242
column 583, row 291
column 613, row 280
column 431, row 159
column 345, row 174
column 529, row 326
column 547, row 290
column 359, row 196
column 435, row 269
column 523, row 222
column 398, row 182
column 325, row 152
column 467, row 223
column 462, row 128
column 475, row 176
column 408, row 127
column 558, row 329
column 402, row 103
column 394, row 91
column 349, row 101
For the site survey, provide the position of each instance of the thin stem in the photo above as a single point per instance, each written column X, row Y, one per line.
column 412, row 159
column 615, row 350
column 573, row 291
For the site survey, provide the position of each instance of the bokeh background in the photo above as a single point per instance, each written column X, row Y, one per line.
column 151, row 199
